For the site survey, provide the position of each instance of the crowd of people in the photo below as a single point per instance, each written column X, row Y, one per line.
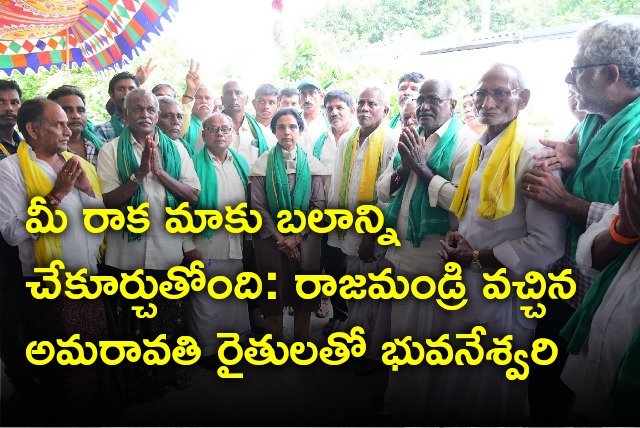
column 481, row 189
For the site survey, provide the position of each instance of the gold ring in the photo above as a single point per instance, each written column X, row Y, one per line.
column 528, row 187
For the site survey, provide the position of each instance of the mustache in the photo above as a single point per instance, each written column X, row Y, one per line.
column 143, row 122
column 76, row 122
column 9, row 116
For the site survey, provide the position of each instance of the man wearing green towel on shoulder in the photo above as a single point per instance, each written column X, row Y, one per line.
column 419, row 186
column 249, row 140
column 606, row 79
column 315, row 119
column 83, row 141
column 119, row 86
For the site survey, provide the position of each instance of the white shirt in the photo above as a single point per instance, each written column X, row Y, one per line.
column 330, row 147
column 268, row 135
column 590, row 374
column 529, row 238
column 351, row 243
column 157, row 249
column 441, row 191
column 246, row 144
column 79, row 247
column 312, row 131
column 224, row 245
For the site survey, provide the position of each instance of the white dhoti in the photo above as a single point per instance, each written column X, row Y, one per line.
column 372, row 315
column 208, row 316
column 409, row 392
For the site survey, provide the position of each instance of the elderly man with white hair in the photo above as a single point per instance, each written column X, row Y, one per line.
column 606, row 80
column 499, row 228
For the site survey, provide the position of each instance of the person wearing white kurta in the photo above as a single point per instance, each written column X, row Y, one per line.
column 222, row 254
column 373, row 316
column 79, row 247
column 157, row 248
column 523, row 238
column 406, row 393
column 528, row 239
column 42, row 167
column 156, row 251
column 590, row 374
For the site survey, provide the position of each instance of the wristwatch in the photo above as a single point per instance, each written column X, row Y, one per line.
column 135, row 179
column 475, row 262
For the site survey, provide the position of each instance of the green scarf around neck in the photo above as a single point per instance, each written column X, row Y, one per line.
column 116, row 124
column 257, row 133
column 625, row 389
column 191, row 136
column 208, row 197
column 598, row 172
column 394, row 122
column 277, row 184
column 128, row 164
column 187, row 146
column 87, row 133
column 423, row 218
column 319, row 145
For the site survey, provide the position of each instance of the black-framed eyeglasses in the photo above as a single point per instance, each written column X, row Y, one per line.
column 574, row 70
column 214, row 129
column 499, row 94
column 431, row 100
column 308, row 93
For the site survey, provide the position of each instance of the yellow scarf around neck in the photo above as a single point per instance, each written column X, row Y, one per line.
column 47, row 246
column 498, row 186
column 370, row 167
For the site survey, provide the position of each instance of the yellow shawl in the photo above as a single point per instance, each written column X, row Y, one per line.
column 370, row 168
column 498, row 186
column 47, row 246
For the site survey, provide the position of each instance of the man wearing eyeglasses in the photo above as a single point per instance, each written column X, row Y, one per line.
column 499, row 228
column 223, row 175
column 606, row 80
column 315, row 120
column 419, row 186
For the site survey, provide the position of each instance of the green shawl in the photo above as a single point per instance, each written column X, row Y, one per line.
column 257, row 133
column 423, row 218
column 115, row 123
column 598, row 172
column 128, row 164
column 208, row 198
column 187, row 146
column 277, row 184
column 317, row 147
column 191, row 136
column 625, row 389
column 394, row 121
column 87, row 133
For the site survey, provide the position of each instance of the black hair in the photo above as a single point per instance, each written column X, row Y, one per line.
column 287, row 112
